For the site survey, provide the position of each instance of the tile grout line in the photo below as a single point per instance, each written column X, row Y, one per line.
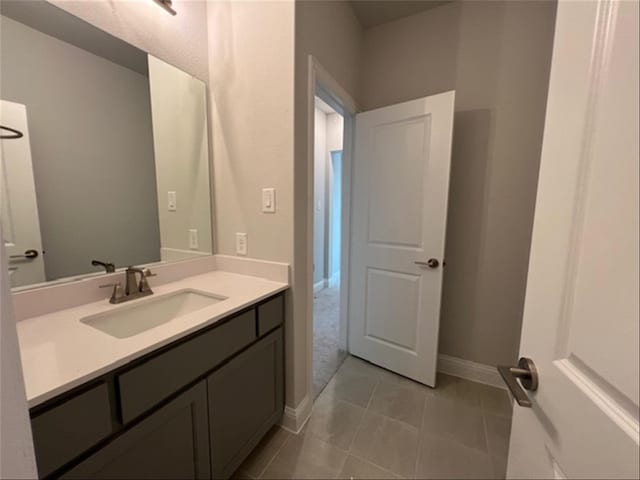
column 268, row 464
column 373, row 392
column 486, row 437
column 366, row 409
column 420, row 436
column 333, row 398
column 386, row 470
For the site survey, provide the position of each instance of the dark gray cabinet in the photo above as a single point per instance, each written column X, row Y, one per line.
column 245, row 400
column 172, row 443
column 71, row 427
column 193, row 409
column 142, row 387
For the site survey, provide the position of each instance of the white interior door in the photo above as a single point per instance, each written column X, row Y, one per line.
column 18, row 206
column 581, row 310
column 400, row 190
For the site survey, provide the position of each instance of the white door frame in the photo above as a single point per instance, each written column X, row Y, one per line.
column 320, row 82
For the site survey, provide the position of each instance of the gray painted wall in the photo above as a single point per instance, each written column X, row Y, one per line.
column 496, row 55
column 252, row 142
column 92, row 146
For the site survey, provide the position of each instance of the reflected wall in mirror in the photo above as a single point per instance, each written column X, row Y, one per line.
column 113, row 164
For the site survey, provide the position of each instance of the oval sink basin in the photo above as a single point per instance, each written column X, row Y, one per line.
column 129, row 320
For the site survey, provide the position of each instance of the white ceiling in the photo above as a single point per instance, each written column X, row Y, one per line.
column 376, row 12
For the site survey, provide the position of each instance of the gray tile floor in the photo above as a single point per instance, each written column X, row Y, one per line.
column 371, row 423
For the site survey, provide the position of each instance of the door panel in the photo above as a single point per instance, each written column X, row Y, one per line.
column 581, row 319
column 393, row 185
column 18, row 205
column 246, row 398
column 400, row 190
column 403, row 294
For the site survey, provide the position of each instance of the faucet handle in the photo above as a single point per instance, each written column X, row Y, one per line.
column 116, row 294
column 144, row 285
column 147, row 273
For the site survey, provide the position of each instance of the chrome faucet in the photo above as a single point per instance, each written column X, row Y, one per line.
column 133, row 289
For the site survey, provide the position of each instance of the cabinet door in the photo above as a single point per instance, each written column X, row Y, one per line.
column 171, row 443
column 245, row 400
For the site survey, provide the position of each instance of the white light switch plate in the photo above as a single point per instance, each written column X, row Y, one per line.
column 269, row 200
column 171, row 201
column 241, row 243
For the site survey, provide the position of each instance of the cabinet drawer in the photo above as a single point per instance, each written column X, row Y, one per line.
column 172, row 443
column 270, row 315
column 67, row 430
column 149, row 383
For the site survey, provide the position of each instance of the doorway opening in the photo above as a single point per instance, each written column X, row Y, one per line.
column 329, row 342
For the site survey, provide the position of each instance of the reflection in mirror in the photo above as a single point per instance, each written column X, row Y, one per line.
column 178, row 110
column 113, row 164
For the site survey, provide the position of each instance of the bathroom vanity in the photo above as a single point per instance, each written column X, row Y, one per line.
column 189, row 398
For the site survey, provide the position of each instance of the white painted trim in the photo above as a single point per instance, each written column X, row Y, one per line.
column 320, row 82
column 332, row 92
column 334, row 281
column 476, row 372
column 294, row 418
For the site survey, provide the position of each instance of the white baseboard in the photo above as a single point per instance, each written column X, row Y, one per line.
column 294, row 418
column 321, row 285
column 476, row 372
column 334, row 281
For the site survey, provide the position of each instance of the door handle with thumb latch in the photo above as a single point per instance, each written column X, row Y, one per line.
column 527, row 373
column 431, row 263
column 27, row 255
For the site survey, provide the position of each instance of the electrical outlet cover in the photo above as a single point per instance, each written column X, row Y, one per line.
column 241, row 243
column 193, row 238
column 171, row 201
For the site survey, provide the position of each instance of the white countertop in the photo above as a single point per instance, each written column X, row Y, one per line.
column 60, row 352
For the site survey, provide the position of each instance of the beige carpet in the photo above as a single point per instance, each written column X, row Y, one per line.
column 327, row 356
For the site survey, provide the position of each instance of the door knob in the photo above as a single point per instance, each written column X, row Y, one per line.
column 431, row 263
column 527, row 373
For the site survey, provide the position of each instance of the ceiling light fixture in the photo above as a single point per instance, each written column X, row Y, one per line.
column 167, row 5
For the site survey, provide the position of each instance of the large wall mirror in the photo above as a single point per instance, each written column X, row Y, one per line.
column 113, row 161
